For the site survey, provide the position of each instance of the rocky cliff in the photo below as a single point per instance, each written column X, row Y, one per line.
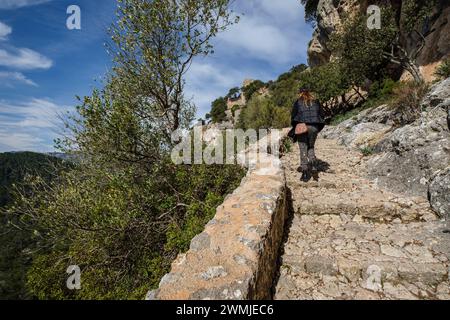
column 413, row 159
column 331, row 14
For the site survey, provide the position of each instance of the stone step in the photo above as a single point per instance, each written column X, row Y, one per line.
column 371, row 204
column 329, row 257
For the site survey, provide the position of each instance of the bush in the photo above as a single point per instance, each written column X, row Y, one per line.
column 339, row 118
column 263, row 113
column 122, row 227
column 218, row 108
column 367, row 151
column 253, row 87
column 443, row 71
column 381, row 92
column 406, row 100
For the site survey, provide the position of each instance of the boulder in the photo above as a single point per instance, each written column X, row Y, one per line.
column 439, row 193
column 410, row 156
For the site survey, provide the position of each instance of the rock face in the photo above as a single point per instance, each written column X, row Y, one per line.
column 330, row 15
column 407, row 158
column 352, row 239
column 439, row 193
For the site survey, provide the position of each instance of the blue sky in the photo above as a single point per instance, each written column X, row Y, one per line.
column 43, row 65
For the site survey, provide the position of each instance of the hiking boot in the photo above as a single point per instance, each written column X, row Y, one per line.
column 313, row 167
column 306, row 176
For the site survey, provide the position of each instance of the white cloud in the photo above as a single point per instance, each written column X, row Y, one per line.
column 9, row 78
column 286, row 10
column 36, row 113
column 271, row 31
column 29, row 125
column 24, row 59
column 207, row 80
column 13, row 4
column 5, row 30
column 270, row 38
column 15, row 141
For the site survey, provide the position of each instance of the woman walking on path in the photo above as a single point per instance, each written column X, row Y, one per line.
column 307, row 122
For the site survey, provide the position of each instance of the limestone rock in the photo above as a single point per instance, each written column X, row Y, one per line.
column 439, row 193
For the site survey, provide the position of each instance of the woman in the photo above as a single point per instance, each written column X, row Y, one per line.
column 308, row 111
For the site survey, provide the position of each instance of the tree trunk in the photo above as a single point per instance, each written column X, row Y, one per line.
column 414, row 70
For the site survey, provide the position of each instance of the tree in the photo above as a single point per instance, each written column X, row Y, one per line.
column 153, row 46
column 262, row 113
column 328, row 83
column 233, row 93
column 125, row 211
column 284, row 90
column 310, row 10
column 218, row 108
column 253, row 87
column 365, row 52
column 411, row 21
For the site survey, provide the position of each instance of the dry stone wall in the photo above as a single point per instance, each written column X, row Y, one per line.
column 235, row 257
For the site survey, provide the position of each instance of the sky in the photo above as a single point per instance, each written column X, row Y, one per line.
column 44, row 65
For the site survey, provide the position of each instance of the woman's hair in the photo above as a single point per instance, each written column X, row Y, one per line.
column 306, row 97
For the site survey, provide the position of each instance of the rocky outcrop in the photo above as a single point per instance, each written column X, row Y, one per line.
column 410, row 156
column 331, row 14
column 235, row 257
column 406, row 158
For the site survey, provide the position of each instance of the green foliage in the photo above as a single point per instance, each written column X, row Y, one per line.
column 310, row 9
column 113, row 226
column 341, row 117
column 284, row 90
column 234, row 109
column 253, row 87
column 125, row 211
column 15, row 170
column 286, row 146
column 367, row 151
column 272, row 111
column 443, row 71
column 263, row 113
column 326, row 82
column 218, row 108
column 416, row 12
column 360, row 51
column 14, row 167
column 233, row 93
column 406, row 100
column 381, row 92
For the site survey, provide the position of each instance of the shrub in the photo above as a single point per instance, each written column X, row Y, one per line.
column 339, row 118
column 367, row 151
column 218, row 108
column 262, row 113
column 443, row 71
column 406, row 100
column 122, row 227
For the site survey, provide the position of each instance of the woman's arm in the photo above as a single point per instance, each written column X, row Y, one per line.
column 294, row 113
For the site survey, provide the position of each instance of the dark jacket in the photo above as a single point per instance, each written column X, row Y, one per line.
column 311, row 115
column 302, row 113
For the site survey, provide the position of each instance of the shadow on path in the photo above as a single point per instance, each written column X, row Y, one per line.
column 287, row 227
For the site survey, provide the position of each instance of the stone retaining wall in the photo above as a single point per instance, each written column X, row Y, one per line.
column 235, row 257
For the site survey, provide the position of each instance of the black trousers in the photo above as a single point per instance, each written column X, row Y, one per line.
column 306, row 143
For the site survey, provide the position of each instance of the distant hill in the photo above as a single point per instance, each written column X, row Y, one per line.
column 14, row 166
